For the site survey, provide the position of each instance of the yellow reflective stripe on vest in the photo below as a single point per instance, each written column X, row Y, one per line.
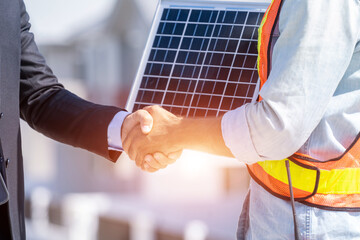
column 339, row 181
column 336, row 181
column 338, row 184
column 260, row 32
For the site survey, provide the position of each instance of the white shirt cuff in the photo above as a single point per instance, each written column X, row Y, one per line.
column 114, row 131
column 237, row 137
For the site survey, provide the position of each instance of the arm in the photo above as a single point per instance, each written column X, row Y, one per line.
column 54, row 111
column 309, row 60
column 171, row 134
column 201, row 134
column 316, row 44
column 61, row 115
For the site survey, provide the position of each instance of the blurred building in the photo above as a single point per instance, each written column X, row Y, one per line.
column 99, row 63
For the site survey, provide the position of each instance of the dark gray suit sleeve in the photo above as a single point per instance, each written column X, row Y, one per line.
column 57, row 113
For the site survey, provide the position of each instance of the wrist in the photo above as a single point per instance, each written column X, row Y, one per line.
column 185, row 132
column 201, row 134
column 177, row 132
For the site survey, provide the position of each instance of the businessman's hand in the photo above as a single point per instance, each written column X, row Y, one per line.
column 163, row 140
column 140, row 118
column 143, row 121
column 157, row 161
column 171, row 134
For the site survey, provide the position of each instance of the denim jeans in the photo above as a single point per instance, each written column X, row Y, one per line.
column 267, row 217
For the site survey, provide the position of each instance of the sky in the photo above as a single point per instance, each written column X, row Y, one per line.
column 53, row 21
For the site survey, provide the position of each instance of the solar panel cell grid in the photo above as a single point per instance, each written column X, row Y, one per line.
column 202, row 62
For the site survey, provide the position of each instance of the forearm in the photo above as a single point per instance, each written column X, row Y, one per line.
column 171, row 134
column 201, row 134
column 71, row 120
column 309, row 60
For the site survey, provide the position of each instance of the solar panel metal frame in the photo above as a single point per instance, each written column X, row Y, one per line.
column 248, row 5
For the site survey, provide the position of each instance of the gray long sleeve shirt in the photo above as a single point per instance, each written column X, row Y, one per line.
column 311, row 100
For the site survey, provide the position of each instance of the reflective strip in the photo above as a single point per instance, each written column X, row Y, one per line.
column 259, row 35
column 336, row 181
column 277, row 170
column 265, row 30
column 273, row 185
column 339, row 183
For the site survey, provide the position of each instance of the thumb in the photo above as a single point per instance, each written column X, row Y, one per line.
column 145, row 120
column 141, row 117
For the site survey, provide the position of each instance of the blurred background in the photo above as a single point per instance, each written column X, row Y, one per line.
column 94, row 47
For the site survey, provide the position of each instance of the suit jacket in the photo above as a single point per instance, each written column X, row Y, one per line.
column 28, row 89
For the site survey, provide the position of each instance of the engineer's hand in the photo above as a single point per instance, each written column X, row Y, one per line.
column 143, row 121
column 161, row 141
column 157, row 161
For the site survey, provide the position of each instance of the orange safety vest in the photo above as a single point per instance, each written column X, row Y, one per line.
column 332, row 184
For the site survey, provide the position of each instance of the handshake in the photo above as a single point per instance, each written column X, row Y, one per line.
column 155, row 138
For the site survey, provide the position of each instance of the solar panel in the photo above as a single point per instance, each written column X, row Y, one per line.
column 200, row 59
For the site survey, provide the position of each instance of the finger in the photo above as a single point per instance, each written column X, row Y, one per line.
column 161, row 158
column 139, row 160
column 146, row 167
column 141, row 117
column 166, row 160
column 175, row 155
column 145, row 119
column 152, row 162
column 152, row 109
